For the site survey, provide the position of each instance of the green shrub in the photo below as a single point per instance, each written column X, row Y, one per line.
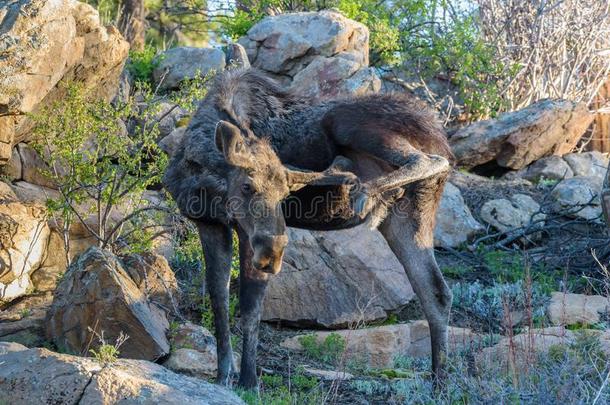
column 328, row 350
column 98, row 168
column 142, row 63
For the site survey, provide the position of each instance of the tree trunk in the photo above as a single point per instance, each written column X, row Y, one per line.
column 132, row 23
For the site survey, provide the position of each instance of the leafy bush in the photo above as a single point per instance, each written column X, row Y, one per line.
column 99, row 168
column 142, row 63
column 328, row 350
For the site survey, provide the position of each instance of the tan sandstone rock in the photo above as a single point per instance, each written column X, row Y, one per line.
column 380, row 346
column 97, row 293
column 516, row 139
column 45, row 43
column 24, row 235
column 53, row 378
column 571, row 309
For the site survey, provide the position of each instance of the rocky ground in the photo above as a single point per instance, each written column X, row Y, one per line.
column 520, row 238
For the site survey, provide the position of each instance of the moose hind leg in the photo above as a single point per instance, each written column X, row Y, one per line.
column 252, row 286
column 408, row 230
column 216, row 241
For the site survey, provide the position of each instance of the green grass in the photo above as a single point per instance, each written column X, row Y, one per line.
column 327, row 351
column 105, row 354
column 274, row 390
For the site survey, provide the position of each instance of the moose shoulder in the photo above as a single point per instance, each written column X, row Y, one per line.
column 256, row 158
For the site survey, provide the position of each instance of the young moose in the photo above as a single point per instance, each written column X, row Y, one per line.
column 253, row 149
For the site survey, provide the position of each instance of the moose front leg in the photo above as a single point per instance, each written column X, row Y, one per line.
column 216, row 241
column 252, row 286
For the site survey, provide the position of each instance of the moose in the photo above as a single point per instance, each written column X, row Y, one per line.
column 253, row 148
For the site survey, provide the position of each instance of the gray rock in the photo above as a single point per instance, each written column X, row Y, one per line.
column 13, row 169
column 97, row 293
column 34, row 168
column 53, row 378
column 283, row 44
column 550, row 168
column 170, row 143
column 192, row 362
column 455, row 224
column 578, row 197
column 506, row 214
column 169, row 116
column 10, row 347
column 516, row 139
column 179, row 64
column 334, row 279
column 593, row 164
column 332, row 77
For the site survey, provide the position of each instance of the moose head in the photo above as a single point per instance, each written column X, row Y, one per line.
column 256, row 188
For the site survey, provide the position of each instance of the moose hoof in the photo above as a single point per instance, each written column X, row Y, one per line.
column 361, row 203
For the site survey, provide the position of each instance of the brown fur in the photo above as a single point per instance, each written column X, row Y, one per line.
column 396, row 147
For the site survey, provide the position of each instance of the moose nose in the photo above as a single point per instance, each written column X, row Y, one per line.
column 268, row 252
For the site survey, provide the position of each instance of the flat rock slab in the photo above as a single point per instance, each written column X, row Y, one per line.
column 523, row 350
column 45, row 377
column 380, row 346
column 572, row 309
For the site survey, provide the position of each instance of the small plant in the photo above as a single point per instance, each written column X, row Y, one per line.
column 98, row 168
column 107, row 353
column 328, row 350
column 25, row 312
column 142, row 63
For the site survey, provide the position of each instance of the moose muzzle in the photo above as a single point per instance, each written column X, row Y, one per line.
column 268, row 252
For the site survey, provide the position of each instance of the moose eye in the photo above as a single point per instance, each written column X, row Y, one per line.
column 246, row 188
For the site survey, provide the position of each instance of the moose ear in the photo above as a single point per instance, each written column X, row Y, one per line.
column 232, row 144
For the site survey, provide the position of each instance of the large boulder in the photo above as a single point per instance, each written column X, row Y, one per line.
column 24, row 234
column 455, row 224
column 516, row 139
column 152, row 275
column 321, row 54
column 179, row 64
column 334, row 279
column 97, row 294
column 43, row 43
column 41, row 376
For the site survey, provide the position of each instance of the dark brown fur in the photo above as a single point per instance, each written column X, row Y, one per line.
column 397, row 148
